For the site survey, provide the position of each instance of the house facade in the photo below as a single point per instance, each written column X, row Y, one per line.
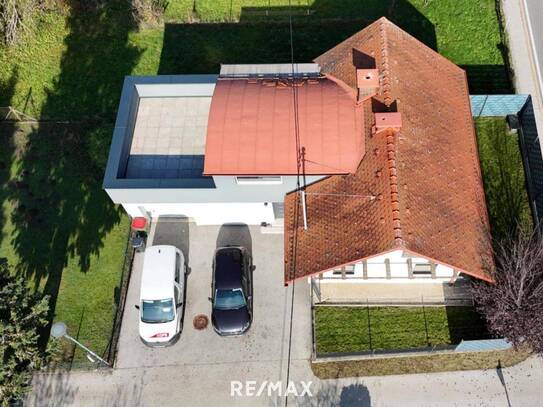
column 367, row 156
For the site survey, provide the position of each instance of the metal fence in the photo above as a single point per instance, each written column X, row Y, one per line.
column 110, row 351
column 530, row 148
column 121, row 302
column 376, row 333
column 520, row 106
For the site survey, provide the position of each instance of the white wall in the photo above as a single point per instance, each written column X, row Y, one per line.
column 376, row 268
column 208, row 213
column 226, row 190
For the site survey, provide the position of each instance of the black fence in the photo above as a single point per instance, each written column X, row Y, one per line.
column 533, row 162
column 375, row 332
column 120, row 300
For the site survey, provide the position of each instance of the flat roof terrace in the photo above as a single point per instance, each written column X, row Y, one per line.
column 169, row 137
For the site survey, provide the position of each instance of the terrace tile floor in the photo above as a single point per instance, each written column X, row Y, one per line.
column 169, row 138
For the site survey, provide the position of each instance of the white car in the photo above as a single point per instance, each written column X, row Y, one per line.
column 161, row 295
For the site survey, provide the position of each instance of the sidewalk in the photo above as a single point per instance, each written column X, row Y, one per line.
column 523, row 59
column 183, row 386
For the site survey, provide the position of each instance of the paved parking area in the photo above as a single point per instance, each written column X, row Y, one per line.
column 266, row 342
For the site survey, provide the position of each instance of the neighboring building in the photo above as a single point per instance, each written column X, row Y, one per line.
column 386, row 146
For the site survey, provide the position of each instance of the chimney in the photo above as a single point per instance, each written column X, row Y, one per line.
column 367, row 82
column 389, row 120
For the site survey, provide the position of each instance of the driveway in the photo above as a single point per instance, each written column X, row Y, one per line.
column 266, row 342
column 198, row 370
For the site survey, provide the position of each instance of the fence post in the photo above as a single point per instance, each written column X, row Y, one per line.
column 425, row 322
column 369, row 322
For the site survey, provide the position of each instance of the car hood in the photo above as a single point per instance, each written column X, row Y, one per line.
column 231, row 321
column 147, row 331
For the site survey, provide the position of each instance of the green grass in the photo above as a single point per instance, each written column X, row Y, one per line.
column 59, row 228
column 85, row 55
column 87, row 302
column 346, row 329
column 503, row 177
column 465, row 31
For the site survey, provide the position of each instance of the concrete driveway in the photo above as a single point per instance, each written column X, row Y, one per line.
column 267, row 339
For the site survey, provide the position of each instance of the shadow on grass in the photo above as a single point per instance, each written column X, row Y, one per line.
column 262, row 34
column 7, row 145
column 504, row 179
column 465, row 323
column 488, row 79
column 61, row 210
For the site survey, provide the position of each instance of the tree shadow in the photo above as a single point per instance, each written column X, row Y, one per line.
column 465, row 323
column 8, row 134
column 503, row 178
column 51, row 388
column 61, row 210
column 329, row 393
column 261, row 34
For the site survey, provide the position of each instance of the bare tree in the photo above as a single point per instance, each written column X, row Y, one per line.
column 147, row 11
column 12, row 16
column 513, row 304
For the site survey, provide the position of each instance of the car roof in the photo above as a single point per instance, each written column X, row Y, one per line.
column 158, row 272
column 228, row 267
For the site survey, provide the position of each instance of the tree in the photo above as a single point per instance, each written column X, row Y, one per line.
column 22, row 315
column 147, row 11
column 13, row 13
column 513, row 304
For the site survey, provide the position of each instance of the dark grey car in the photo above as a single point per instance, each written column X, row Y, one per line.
column 231, row 291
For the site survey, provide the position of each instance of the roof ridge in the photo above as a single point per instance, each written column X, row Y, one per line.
column 393, row 182
column 385, row 64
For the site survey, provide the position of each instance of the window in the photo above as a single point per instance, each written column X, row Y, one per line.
column 157, row 311
column 229, row 299
column 422, row 269
column 252, row 180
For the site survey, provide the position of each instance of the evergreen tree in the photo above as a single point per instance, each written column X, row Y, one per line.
column 22, row 315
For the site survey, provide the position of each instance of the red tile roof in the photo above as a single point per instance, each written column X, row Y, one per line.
column 251, row 129
column 417, row 189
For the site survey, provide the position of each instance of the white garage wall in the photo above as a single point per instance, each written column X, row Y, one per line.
column 209, row 213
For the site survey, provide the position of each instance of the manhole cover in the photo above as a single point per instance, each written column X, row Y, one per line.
column 200, row 322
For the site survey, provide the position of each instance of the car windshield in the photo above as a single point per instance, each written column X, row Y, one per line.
column 229, row 299
column 157, row 311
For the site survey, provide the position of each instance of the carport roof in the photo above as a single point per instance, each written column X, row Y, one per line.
column 251, row 127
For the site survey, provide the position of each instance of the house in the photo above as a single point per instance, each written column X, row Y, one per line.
column 377, row 132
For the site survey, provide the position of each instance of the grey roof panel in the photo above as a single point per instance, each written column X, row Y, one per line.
column 244, row 70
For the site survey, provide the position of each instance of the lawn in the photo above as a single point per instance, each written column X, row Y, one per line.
column 71, row 64
column 59, row 229
column 57, row 225
column 362, row 329
column 503, row 177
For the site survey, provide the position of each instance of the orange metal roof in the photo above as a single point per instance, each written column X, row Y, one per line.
column 251, row 128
